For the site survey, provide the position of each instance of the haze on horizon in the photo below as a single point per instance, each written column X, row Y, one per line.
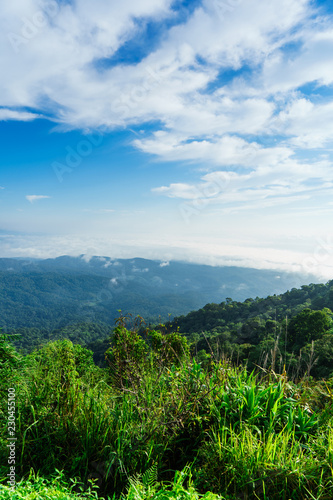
column 190, row 130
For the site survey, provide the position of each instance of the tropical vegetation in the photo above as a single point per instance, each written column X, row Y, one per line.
column 164, row 419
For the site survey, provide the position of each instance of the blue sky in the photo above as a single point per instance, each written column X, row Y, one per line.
column 199, row 131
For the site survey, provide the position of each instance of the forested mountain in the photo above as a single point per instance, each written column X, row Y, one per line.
column 294, row 329
column 253, row 316
column 80, row 298
column 53, row 293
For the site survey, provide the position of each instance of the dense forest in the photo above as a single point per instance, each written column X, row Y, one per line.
column 284, row 329
column 291, row 331
column 50, row 294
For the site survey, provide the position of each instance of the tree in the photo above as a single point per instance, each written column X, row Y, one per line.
column 10, row 360
column 127, row 355
column 307, row 326
column 323, row 349
column 171, row 348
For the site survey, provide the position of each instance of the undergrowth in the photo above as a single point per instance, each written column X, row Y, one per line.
column 128, row 428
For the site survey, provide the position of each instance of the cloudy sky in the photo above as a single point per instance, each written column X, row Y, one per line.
column 198, row 130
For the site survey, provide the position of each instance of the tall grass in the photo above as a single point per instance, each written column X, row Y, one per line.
column 245, row 434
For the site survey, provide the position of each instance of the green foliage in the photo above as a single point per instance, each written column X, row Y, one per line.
column 10, row 359
column 272, row 466
column 168, row 349
column 127, row 356
column 63, row 361
column 309, row 325
column 323, row 349
column 155, row 410
column 39, row 488
column 142, row 487
column 27, row 339
column 275, row 333
column 145, row 487
column 203, row 358
column 248, row 432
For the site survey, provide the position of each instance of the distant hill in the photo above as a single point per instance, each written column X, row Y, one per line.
column 252, row 318
column 292, row 331
column 53, row 293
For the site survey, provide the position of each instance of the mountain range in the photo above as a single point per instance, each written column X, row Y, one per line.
column 51, row 293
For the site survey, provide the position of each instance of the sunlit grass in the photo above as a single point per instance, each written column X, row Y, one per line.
column 141, row 487
column 245, row 435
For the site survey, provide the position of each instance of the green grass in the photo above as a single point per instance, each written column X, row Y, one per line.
column 38, row 488
column 246, row 435
column 141, row 487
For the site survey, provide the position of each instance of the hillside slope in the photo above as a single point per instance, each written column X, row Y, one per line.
column 53, row 293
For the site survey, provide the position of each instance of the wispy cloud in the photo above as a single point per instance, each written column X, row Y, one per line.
column 9, row 114
column 36, row 197
column 280, row 181
column 164, row 264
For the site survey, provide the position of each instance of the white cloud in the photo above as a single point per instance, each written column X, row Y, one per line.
column 139, row 270
column 212, row 251
column 164, row 86
column 227, row 150
column 8, row 114
column 35, row 197
column 311, row 63
column 308, row 124
column 75, row 38
column 179, row 190
column 171, row 83
column 282, row 181
column 87, row 257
